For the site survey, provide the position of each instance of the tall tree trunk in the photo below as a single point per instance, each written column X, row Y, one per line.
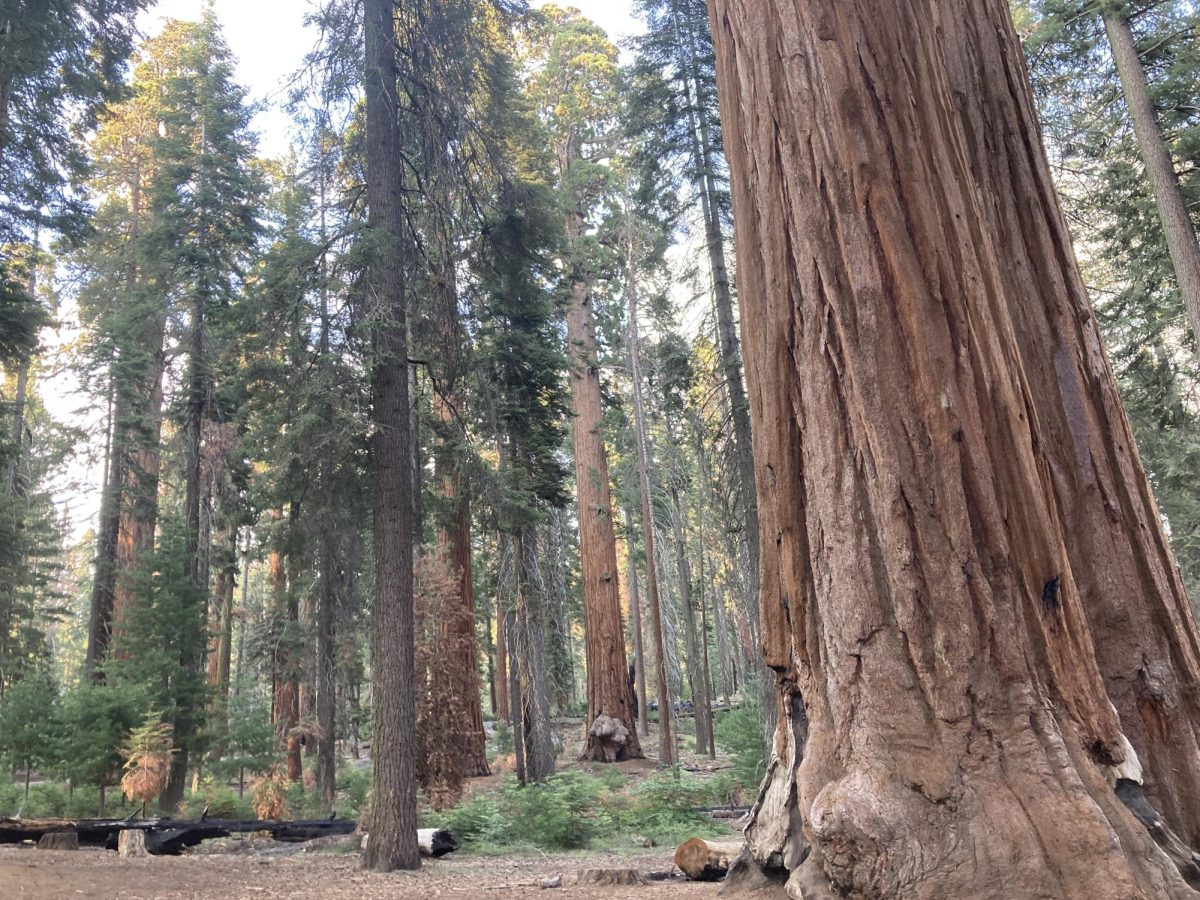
column 697, row 640
column 100, row 617
column 724, row 663
column 327, row 563
column 226, row 586
column 326, row 675
column 667, row 751
column 517, row 711
column 705, row 178
column 560, row 668
column 531, row 642
column 635, row 628
column 143, row 431
column 691, row 639
column 138, row 517
column 393, row 843
column 1160, row 168
column 458, row 625
column 505, row 589
column 705, row 662
column 285, row 663
column 1138, row 611
column 922, row 603
column 608, row 691
column 20, row 398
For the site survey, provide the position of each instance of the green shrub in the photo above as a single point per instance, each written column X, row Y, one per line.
column 575, row 810
column 478, row 821
column 664, row 808
column 502, row 743
column 84, row 801
column 10, row 796
column 303, row 804
column 221, row 801
column 740, row 732
column 353, row 786
column 565, row 812
column 48, row 801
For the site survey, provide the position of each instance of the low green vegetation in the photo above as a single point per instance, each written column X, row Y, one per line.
column 580, row 810
column 739, row 732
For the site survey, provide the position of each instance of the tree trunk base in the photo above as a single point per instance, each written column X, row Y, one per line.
column 607, row 741
column 746, row 878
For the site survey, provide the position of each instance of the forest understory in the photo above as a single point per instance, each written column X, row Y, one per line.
column 494, row 422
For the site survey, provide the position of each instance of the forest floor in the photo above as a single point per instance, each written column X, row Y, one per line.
column 30, row 874
column 268, row 870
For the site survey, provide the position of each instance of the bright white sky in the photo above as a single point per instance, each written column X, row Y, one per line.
column 270, row 41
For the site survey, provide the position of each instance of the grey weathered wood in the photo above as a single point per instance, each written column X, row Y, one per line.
column 59, row 840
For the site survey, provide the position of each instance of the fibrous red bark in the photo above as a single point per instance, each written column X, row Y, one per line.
column 608, row 692
column 458, row 625
column 924, row 442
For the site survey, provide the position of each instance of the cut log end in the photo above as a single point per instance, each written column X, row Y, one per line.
column 131, row 844
column 432, row 842
column 702, row 860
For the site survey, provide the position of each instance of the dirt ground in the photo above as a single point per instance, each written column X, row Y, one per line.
column 30, row 874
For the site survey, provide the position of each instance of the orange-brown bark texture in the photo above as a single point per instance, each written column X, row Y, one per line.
column 608, row 691
column 458, row 625
column 966, row 591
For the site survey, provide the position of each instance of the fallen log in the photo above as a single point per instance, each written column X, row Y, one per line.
column 702, row 860
column 432, row 842
column 167, row 836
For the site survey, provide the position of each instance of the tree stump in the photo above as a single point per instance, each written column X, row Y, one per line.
column 59, row 840
column 610, row 877
column 131, row 844
column 702, row 860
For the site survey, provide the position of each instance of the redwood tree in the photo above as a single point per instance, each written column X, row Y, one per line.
column 575, row 91
column 981, row 637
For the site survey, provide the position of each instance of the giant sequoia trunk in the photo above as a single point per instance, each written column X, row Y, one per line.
column 933, row 416
column 138, row 517
column 608, row 692
column 1138, row 611
column 458, row 627
column 393, row 842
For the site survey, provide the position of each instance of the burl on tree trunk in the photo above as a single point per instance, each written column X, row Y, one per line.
column 967, row 593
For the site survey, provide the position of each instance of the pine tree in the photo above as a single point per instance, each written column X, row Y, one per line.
column 60, row 61
column 393, row 841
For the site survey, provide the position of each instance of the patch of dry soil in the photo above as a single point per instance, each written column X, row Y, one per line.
column 29, row 874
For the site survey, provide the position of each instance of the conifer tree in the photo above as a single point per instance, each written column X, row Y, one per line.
column 573, row 89
column 60, row 61
column 393, row 842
